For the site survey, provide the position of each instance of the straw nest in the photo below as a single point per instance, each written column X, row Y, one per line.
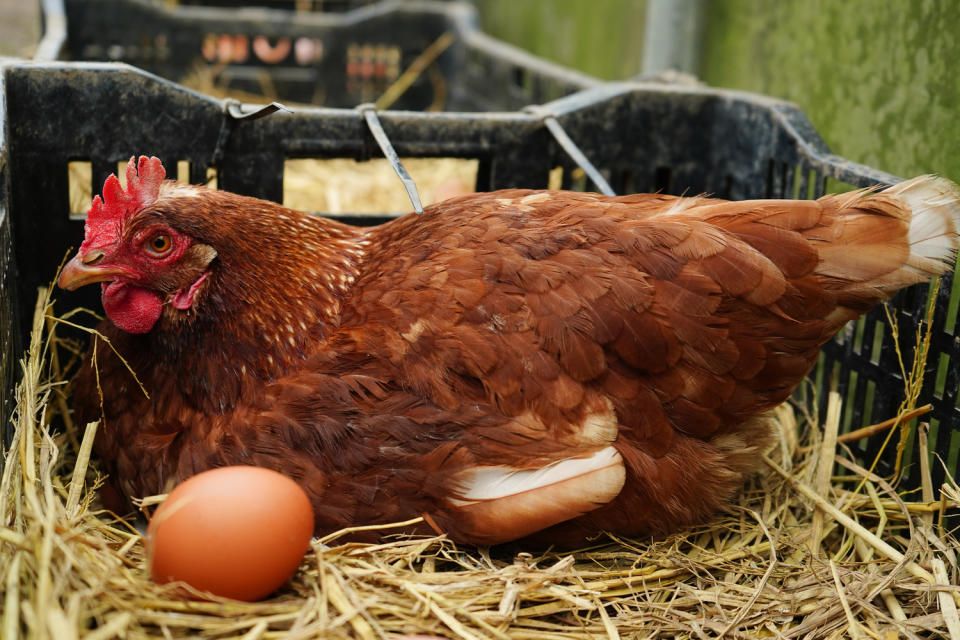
column 802, row 554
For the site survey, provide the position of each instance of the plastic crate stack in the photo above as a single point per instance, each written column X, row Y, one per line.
column 336, row 59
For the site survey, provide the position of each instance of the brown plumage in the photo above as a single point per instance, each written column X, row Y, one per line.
column 509, row 364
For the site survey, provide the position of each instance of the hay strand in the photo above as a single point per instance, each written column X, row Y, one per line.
column 80, row 468
column 825, row 462
column 852, row 626
column 879, row 427
column 926, row 483
column 947, row 606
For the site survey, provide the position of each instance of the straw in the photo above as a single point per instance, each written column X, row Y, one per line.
column 828, row 447
column 873, row 567
column 947, row 605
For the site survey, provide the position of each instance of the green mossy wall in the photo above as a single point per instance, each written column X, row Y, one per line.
column 878, row 78
column 601, row 37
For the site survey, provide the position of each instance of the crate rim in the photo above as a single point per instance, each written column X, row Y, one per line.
column 788, row 114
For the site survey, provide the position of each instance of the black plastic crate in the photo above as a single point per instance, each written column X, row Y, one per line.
column 642, row 137
column 335, row 59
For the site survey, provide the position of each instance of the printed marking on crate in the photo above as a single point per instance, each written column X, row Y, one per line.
column 225, row 48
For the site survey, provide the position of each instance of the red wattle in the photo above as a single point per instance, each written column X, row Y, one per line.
column 131, row 308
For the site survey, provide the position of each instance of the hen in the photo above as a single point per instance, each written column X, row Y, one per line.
column 508, row 364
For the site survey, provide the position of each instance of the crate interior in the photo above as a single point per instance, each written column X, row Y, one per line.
column 642, row 137
column 330, row 58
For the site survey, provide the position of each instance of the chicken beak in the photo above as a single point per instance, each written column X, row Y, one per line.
column 85, row 269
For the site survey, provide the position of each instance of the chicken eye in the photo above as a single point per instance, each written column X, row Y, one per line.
column 160, row 244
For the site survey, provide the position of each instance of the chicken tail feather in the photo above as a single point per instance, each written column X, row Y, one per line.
column 877, row 243
column 934, row 204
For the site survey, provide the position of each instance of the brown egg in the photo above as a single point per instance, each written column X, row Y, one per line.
column 237, row 532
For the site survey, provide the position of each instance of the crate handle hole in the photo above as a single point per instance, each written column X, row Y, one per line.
column 347, row 186
column 79, row 188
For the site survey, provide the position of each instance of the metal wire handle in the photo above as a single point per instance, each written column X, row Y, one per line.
column 233, row 112
column 568, row 145
column 369, row 112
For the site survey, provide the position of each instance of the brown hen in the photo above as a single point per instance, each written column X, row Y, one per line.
column 508, row 364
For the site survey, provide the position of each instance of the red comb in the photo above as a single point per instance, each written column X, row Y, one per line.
column 106, row 217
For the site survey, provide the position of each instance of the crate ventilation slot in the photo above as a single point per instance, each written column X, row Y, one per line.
column 556, row 130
